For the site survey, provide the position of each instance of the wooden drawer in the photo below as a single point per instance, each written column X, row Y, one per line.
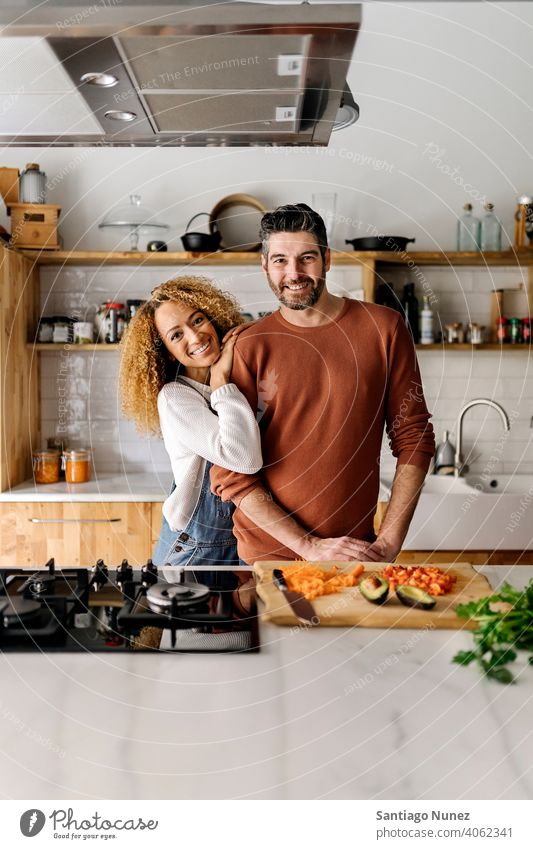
column 75, row 533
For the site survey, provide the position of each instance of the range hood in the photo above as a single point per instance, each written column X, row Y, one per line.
column 117, row 73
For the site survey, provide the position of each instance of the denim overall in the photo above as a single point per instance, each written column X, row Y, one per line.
column 206, row 540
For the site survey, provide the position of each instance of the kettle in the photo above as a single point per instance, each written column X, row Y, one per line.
column 201, row 242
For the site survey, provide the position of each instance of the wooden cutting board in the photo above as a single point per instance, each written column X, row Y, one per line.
column 349, row 607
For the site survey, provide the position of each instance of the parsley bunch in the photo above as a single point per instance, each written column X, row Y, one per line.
column 499, row 633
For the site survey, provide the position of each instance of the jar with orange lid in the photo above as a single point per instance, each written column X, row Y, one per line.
column 77, row 465
column 46, row 466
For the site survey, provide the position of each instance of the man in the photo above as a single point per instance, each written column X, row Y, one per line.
column 326, row 375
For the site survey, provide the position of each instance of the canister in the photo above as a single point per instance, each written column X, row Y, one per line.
column 83, row 332
column 46, row 466
column 77, row 465
column 32, row 184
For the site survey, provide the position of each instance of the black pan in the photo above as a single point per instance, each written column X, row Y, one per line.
column 380, row 243
column 201, row 242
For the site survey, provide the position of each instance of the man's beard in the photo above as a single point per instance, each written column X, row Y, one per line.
column 309, row 301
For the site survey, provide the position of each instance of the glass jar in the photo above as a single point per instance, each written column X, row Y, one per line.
column 46, row 466
column 502, row 329
column 475, row 335
column 45, row 331
column 83, row 332
column 526, row 331
column 77, row 465
column 32, row 184
column 62, row 332
column 110, row 322
column 515, row 331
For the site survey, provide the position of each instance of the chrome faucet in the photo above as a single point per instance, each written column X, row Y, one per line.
column 458, row 466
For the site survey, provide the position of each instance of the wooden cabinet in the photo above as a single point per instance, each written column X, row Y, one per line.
column 156, row 519
column 75, row 533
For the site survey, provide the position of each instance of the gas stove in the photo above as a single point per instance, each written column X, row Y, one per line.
column 122, row 609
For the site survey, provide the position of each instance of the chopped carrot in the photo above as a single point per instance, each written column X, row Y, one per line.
column 313, row 582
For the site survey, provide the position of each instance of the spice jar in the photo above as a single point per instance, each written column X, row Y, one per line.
column 475, row 335
column 502, row 329
column 46, row 466
column 62, row 329
column 526, row 331
column 45, row 330
column 110, row 322
column 515, row 331
column 77, row 465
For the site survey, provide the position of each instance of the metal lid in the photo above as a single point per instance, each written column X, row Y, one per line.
column 523, row 199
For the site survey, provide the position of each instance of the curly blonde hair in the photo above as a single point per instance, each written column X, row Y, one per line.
column 145, row 364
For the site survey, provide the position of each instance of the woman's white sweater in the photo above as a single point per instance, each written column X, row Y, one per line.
column 193, row 433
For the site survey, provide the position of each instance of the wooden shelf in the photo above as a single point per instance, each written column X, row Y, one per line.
column 438, row 346
column 221, row 258
column 466, row 346
column 70, row 346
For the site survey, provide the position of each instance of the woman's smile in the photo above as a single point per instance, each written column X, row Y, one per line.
column 189, row 336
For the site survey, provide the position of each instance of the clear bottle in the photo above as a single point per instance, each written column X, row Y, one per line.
column 410, row 309
column 426, row 323
column 491, row 230
column 468, row 230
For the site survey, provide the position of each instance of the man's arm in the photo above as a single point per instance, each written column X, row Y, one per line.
column 406, row 487
column 259, row 506
column 411, row 439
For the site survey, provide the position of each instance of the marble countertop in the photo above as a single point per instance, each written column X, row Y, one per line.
column 131, row 486
column 323, row 713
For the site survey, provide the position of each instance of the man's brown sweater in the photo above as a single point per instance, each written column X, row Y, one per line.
column 324, row 395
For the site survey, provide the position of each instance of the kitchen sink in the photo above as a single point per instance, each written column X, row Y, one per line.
column 502, row 484
column 474, row 512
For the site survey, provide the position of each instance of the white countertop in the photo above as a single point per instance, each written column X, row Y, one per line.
column 132, row 486
column 324, row 713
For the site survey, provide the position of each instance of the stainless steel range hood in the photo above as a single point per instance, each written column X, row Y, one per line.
column 224, row 73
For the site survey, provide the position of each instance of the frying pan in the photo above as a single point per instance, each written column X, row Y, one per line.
column 380, row 243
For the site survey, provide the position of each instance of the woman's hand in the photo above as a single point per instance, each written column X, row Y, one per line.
column 220, row 373
column 236, row 330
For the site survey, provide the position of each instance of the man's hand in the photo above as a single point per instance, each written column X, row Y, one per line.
column 335, row 548
column 382, row 551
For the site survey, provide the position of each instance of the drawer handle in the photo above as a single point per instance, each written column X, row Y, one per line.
column 70, row 521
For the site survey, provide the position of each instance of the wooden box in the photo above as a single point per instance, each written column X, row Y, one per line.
column 34, row 225
column 9, row 185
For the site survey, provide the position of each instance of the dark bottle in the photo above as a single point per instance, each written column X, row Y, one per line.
column 387, row 297
column 410, row 309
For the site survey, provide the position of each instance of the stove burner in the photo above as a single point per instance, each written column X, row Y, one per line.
column 163, row 598
column 130, row 609
column 15, row 610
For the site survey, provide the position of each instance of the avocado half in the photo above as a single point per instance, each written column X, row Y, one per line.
column 415, row 597
column 374, row 589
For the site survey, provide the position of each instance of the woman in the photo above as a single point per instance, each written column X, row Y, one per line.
column 175, row 379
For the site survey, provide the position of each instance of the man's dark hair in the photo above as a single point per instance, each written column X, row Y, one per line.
column 293, row 218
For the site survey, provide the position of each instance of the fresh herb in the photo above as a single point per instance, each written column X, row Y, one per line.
column 499, row 633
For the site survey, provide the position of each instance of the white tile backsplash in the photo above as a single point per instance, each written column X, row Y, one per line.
column 91, row 414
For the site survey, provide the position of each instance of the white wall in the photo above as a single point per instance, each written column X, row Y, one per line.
column 85, row 383
column 449, row 77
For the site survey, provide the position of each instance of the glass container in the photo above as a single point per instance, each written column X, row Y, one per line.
column 134, row 218
column 77, row 466
column 46, row 466
column 491, row 231
column 468, row 230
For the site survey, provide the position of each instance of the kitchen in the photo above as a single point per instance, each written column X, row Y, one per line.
column 438, row 128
